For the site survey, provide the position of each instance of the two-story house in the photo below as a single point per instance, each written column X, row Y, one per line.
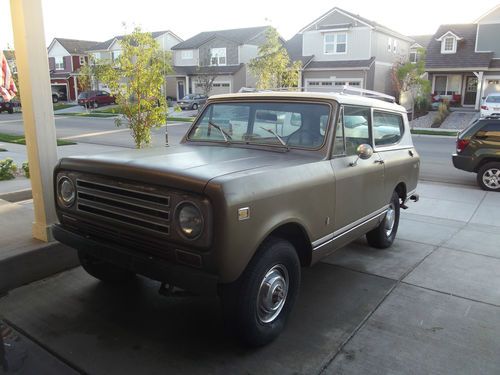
column 221, row 55
column 418, row 47
column 66, row 56
column 463, row 61
column 341, row 48
column 111, row 49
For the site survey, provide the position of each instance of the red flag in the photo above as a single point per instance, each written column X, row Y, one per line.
column 7, row 86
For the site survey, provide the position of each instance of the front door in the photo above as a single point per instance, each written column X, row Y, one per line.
column 180, row 87
column 470, row 91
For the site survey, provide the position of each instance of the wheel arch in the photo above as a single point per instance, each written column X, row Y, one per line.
column 485, row 160
column 401, row 190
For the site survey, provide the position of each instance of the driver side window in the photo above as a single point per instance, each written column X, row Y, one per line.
column 356, row 121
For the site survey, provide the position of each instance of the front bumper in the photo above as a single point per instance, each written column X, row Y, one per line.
column 191, row 279
column 462, row 162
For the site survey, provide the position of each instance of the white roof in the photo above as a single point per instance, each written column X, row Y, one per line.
column 341, row 98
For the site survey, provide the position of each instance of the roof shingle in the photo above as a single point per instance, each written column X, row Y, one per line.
column 75, row 46
column 464, row 58
column 106, row 44
column 239, row 36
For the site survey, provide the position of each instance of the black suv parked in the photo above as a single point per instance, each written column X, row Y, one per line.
column 478, row 151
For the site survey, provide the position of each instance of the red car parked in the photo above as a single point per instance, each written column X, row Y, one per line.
column 94, row 99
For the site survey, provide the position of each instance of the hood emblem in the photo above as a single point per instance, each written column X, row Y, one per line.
column 244, row 213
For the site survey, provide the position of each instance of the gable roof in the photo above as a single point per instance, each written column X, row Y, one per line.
column 357, row 17
column 239, row 36
column 104, row 46
column 74, row 46
column 452, row 33
column 466, row 57
column 421, row 40
column 494, row 9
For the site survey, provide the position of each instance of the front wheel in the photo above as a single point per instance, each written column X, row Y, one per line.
column 258, row 304
column 383, row 236
column 103, row 270
column 195, row 107
column 488, row 176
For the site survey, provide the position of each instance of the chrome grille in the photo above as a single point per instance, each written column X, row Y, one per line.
column 124, row 203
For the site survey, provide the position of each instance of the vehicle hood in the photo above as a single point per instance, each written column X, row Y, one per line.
column 184, row 167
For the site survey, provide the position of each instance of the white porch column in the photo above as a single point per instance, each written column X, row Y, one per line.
column 299, row 83
column 38, row 116
column 187, row 86
column 479, row 93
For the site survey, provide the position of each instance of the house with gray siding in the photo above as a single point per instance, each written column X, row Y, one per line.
column 222, row 55
column 463, row 61
column 418, row 47
column 341, row 48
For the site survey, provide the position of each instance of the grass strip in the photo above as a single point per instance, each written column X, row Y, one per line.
column 21, row 140
column 436, row 132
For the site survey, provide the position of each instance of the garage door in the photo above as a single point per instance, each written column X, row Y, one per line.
column 325, row 85
column 220, row 88
column 491, row 86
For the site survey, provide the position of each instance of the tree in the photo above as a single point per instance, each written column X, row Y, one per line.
column 206, row 81
column 272, row 66
column 136, row 82
column 91, row 73
column 409, row 79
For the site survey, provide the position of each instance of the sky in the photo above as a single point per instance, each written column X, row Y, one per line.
column 100, row 20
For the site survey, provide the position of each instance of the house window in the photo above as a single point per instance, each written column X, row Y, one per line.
column 82, row 60
column 335, row 43
column 449, row 45
column 389, row 44
column 395, row 46
column 414, row 56
column 115, row 55
column 448, row 85
column 187, row 54
column 97, row 55
column 59, row 62
column 218, row 56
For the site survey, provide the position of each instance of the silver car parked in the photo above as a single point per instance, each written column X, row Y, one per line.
column 192, row 101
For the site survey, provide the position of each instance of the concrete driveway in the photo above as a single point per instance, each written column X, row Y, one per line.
column 428, row 305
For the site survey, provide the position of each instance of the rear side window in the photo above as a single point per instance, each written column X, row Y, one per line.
column 490, row 131
column 388, row 128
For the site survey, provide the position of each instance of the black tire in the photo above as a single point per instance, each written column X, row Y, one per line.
column 488, row 176
column 104, row 271
column 95, row 105
column 240, row 299
column 11, row 110
column 382, row 237
column 55, row 98
column 195, row 107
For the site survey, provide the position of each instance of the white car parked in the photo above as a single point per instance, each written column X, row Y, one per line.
column 491, row 105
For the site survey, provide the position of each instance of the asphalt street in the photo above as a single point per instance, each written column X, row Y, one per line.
column 435, row 151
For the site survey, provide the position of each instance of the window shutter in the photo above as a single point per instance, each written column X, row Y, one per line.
column 52, row 63
column 67, row 62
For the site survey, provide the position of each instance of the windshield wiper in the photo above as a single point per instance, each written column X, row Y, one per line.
column 227, row 137
column 277, row 136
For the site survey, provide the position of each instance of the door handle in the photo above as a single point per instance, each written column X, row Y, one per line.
column 379, row 161
column 410, row 152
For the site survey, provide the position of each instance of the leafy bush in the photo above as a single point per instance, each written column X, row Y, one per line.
column 442, row 113
column 26, row 169
column 422, row 104
column 8, row 169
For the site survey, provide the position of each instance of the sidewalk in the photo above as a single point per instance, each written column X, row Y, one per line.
column 429, row 304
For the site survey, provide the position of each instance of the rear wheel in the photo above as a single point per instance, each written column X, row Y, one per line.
column 383, row 236
column 258, row 304
column 103, row 270
column 195, row 107
column 55, row 98
column 488, row 176
column 11, row 110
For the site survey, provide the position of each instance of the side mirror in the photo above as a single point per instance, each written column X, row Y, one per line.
column 484, row 97
column 364, row 151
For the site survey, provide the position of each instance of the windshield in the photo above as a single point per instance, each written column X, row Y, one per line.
column 493, row 99
column 294, row 125
column 188, row 97
column 83, row 95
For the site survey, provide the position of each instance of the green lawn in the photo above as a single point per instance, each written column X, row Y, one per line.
column 437, row 132
column 113, row 110
column 20, row 140
column 62, row 106
column 2, row 150
column 183, row 119
column 85, row 114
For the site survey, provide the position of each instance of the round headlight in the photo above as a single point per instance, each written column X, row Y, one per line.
column 190, row 220
column 66, row 192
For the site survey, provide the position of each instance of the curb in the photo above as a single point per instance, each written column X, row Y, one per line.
column 17, row 196
column 36, row 264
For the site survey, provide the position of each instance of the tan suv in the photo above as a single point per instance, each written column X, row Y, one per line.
column 261, row 185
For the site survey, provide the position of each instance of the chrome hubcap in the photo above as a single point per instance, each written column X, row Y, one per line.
column 390, row 218
column 272, row 293
column 491, row 178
